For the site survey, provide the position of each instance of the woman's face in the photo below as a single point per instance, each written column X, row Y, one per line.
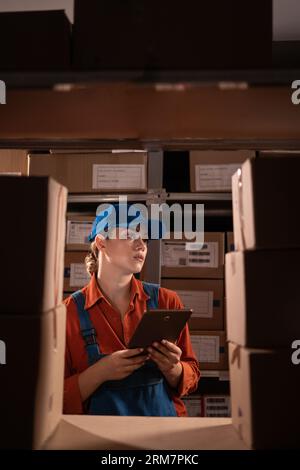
column 128, row 253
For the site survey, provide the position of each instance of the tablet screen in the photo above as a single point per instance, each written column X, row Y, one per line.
column 157, row 325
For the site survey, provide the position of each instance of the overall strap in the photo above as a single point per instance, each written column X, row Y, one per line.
column 152, row 290
column 86, row 327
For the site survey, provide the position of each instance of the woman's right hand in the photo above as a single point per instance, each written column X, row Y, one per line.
column 119, row 364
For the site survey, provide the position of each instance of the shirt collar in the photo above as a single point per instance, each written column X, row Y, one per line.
column 93, row 292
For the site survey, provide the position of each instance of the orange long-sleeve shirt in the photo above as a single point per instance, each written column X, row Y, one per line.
column 114, row 335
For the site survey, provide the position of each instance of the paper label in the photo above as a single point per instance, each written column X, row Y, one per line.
column 215, row 177
column 78, row 275
column 78, row 232
column 220, row 374
column 217, row 406
column 200, row 301
column 206, row 348
column 176, row 254
column 193, row 406
column 118, row 176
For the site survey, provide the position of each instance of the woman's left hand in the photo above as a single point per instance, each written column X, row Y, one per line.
column 167, row 357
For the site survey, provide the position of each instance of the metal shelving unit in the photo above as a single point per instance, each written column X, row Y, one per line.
column 64, row 79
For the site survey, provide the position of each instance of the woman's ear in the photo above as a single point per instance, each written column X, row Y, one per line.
column 100, row 242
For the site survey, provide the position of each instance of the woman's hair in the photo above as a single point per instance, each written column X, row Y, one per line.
column 91, row 259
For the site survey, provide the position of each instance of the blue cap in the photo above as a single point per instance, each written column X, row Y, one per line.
column 117, row 215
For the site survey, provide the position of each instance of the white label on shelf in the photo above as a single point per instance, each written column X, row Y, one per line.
column 175, row 254
column 193, row 406
column 220, row 374
column 78, row 275
column 200, row 301
column 206, row 348
column 10, row 173
column 118, row 176
column 215, row 177
column 78, row 232
column 218, row 406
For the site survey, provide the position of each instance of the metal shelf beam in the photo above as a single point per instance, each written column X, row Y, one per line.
column 75, row 78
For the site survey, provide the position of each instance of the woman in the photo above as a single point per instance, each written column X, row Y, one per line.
column 103, row 376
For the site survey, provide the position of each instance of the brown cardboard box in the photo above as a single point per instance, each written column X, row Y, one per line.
column 35, row 40
column 31, row 392
column 205, row 297
column 262, row 291
column 229, row 242
column 225, row 315
column 265, row 389
column 207, row 263
column 211, row 170
column 265, row 196
column 105, row 172
column 75, row 274
column 210, row 348
column 194, row 405
column 78, row 229
column 13, row 162
column 32, row 237
column 216, row 406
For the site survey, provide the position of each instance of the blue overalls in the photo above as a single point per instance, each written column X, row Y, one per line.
column 144, row 392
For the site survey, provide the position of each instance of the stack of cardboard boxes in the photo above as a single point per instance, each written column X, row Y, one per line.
column 32, row 316
column 197, row 275
column 262, row 291
column 107, row 172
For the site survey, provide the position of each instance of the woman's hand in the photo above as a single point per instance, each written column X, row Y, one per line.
column 115, row 366
column 167, row 357
column 120, row 364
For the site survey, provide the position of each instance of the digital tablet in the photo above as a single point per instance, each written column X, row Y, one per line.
column 156, row 325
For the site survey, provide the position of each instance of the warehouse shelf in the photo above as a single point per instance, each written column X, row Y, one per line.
column 102, row 198
column 74, row 78
column 158, row 196
column 198, row 197
column 39, row 145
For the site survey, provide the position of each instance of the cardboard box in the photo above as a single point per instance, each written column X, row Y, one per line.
column 216, row 406
column 205, row 297
column 105, row 172
column 265, row 196
column 189, row 38
column 265, row 390
column 78, row 229
column 211, row 349
column 262, row 291
column 32, row 237
column 194, row 405
column 75, row 273
column 31, row 392
column 180, row 259
column 229, row 242
column 211, row 170
column 13, row 162
column 35, row 40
